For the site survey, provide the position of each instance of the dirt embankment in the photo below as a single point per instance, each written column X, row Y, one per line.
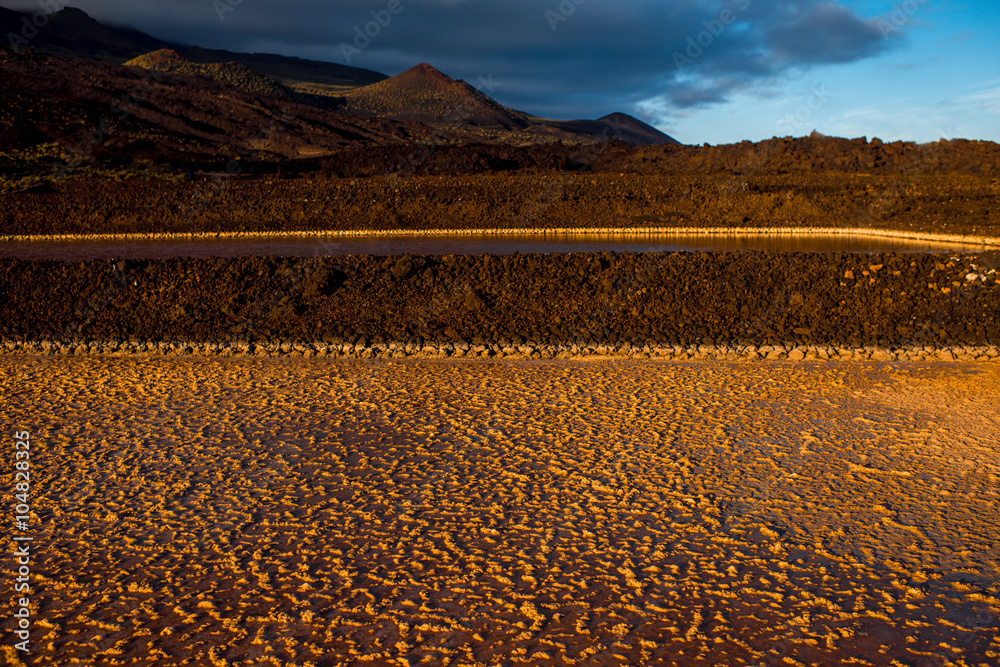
column 848, row 300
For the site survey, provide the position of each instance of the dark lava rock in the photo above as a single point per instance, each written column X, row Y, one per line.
column 603, row 298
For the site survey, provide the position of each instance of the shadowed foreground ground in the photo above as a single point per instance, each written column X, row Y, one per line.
column 318, row 512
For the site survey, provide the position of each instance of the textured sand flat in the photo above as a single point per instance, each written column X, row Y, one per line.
column 319, row 512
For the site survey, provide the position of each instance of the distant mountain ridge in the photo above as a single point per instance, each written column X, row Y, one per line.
column 305, row 76
column 233, row 74
column 421, row 94
column 72, row 33
column 424, row 94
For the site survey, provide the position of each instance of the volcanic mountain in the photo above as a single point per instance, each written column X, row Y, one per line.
column 424, row 94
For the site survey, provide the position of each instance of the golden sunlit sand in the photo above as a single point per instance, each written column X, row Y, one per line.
column 333, row 512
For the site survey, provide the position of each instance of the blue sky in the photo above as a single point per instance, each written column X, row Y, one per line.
column 939, row 78
column 704, row 71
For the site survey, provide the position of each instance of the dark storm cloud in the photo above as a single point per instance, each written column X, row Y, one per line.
column 560, row 58
column 825, row 33
column 690, row 96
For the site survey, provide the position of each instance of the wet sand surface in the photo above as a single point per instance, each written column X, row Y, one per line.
column 321, row 512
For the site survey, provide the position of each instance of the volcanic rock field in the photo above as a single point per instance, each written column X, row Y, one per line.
column 653, row 304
